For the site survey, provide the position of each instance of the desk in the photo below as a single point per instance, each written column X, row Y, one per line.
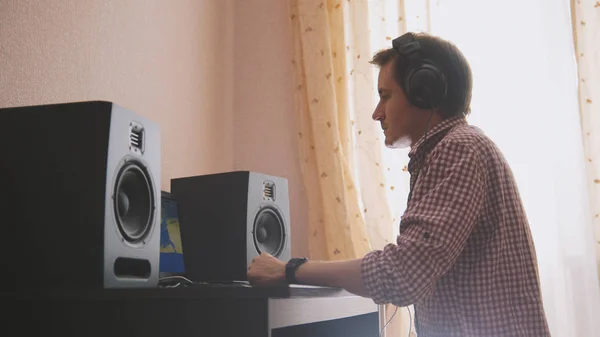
column 196, row 310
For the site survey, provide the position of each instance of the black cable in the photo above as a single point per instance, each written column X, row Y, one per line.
column 174, row 281
column 388, row 322
column 394, row 314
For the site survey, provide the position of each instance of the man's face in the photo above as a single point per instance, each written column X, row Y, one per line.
column 394, row 112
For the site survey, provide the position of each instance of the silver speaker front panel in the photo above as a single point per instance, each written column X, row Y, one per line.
column 261, row 196
column 123, row 147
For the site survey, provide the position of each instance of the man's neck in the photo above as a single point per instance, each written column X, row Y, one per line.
column 428, row 123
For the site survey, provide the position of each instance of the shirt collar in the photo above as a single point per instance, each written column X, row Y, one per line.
column 423, row 145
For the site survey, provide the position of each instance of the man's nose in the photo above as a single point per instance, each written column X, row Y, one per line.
column 377, row 115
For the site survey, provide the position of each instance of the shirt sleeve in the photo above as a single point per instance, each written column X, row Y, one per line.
column 446, row 203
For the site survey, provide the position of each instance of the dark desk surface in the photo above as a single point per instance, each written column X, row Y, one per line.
column 196, row 310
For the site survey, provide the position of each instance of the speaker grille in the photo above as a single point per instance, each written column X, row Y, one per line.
column 269, row 231
column 133, row 202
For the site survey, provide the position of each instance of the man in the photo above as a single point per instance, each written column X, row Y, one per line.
column 464, row 256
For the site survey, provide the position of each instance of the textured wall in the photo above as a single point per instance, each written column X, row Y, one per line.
column 264, row 113
column 166, row 60
column 222, row 100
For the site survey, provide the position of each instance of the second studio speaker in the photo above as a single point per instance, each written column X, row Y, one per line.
column 229, row 218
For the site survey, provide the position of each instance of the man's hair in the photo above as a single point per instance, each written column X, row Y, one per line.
column 450, row 61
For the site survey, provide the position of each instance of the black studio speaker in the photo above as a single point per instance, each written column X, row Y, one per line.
column 80, row 186
column 229, row 218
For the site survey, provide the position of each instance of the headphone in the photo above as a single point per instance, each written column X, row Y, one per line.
column 424, row 84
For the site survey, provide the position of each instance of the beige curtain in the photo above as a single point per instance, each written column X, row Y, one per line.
column 350, row 184
column 336, row 226
column 586, row 35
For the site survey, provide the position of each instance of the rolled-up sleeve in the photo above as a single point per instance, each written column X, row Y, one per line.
column 434, row 229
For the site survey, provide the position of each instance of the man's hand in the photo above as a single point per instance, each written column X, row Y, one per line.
column 266, row 270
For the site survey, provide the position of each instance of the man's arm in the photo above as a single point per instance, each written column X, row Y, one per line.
column 268, row 270
column 340, row 274
column 434, row 229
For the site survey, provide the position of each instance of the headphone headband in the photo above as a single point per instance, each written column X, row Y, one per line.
column 406, row 44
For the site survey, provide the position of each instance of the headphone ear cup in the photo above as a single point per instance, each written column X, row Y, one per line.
column 426, row 86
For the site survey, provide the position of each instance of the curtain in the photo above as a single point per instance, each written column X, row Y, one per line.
column 586, row 28
column 526, row 97
column 336, row 227
column 340, row 155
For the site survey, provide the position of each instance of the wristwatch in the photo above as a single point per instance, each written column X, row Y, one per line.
column 290, row 269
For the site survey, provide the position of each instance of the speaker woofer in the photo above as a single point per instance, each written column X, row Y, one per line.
column 133, row 202
column 269, row 233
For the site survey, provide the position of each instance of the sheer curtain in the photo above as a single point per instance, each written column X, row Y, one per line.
column 525, row 98
column 586, row 26
column 336, row 228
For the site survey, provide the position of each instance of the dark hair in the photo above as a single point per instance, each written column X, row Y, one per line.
column 450, row 61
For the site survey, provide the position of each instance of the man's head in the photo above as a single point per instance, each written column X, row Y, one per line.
column 447, row 80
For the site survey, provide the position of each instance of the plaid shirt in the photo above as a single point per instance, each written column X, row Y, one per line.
column 464, row 257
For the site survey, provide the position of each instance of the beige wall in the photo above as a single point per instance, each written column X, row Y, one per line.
column 264, row 115
column 213, row 73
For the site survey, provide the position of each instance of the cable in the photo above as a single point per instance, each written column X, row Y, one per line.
column 394, row 314
column 182, row 281
column 175, row 277
column 410, row 321
column 418, row 170
column 388, row 322
column 428, row 122
column 177, row 280
column 172, row 286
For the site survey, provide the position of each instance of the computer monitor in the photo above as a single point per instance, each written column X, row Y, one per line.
column 171, row 250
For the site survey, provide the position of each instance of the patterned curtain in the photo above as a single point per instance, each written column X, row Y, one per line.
column 586, row 35
column 337, row 229
column 340, row 145
column 349, row 182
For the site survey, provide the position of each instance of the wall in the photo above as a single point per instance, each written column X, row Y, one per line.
column 212, row 73
column 160, row 59
column 264, row 123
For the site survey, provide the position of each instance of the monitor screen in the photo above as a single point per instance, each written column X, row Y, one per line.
column 171, row 251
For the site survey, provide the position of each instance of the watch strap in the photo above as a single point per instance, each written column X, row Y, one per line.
column 291, row 267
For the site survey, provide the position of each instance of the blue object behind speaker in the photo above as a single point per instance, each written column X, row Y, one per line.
column 171, row 250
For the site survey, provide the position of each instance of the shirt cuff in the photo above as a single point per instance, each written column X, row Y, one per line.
column 371, row 276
